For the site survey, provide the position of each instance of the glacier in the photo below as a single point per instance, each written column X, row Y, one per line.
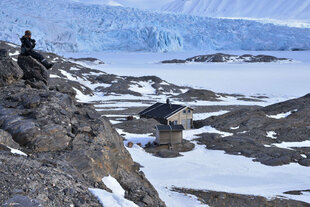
column 67, row 26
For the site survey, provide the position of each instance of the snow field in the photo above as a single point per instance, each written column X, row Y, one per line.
column 214, row 170
column 291, row 79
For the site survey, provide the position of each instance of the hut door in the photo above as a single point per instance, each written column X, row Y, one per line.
column 184, row 123
column 189, row 124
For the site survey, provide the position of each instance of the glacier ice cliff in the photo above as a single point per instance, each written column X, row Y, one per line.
column 66, row 26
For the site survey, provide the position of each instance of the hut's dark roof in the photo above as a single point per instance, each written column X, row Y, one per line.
column 161, row 110
column 170, row 127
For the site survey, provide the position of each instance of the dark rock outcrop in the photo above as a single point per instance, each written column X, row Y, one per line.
column 196, row 94
column 33, row 70
column 250, row 130
column 121, row 85
column 70, row 147
column 9, row 70
column 222, row 58
column 223, row 199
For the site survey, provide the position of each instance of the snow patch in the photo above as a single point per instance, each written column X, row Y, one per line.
column 15, row 53
column 115, row 122
column 289, row 145
column 18, row 152
column 12, row 45
column 142, row 87
column 114, row 199
column 54, row 76
column 74, row 68
column 271, row 134
column 281, row 115
column 113, row 185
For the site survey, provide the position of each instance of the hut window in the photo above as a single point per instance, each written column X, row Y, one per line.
column 184, row 111
column 189, row 111
column 173, row 122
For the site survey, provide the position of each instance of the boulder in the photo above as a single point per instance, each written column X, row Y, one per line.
column 9, row 70
column 165, row 153
column 283, row 160
column 6, row 139
column 33, row 70
column 304, row 162
column 169, row 151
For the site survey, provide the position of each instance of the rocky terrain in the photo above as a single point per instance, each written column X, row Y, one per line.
column 222, row 199
column 70, row 147
column 258, row 133
column 75, row 76
column 227, row 58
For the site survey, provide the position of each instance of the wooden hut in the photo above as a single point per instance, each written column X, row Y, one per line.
column 170, row 114
column 169, row 134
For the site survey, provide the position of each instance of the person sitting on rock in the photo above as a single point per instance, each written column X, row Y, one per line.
column 27, row 47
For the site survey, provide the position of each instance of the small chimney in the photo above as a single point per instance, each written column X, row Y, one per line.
column 168, row 102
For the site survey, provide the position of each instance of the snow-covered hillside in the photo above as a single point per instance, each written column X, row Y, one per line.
column 64, row 26
column 276, row 9
column 141, row 4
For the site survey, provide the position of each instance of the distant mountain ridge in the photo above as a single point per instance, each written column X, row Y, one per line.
column 276, row 9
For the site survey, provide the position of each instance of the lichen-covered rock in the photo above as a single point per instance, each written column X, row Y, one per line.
column 33, row 70
column 9, row 70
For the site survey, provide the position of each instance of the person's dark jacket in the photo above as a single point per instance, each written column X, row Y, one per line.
column 27, row 45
